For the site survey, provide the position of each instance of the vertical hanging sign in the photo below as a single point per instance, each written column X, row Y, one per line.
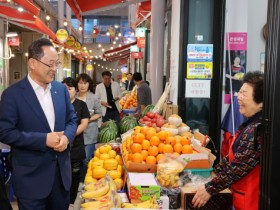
column 236, row 51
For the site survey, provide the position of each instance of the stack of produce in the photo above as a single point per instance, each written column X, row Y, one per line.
column 127, row 123
column 147, row 109
column 108, row 131
column 101, row 195
column 149, row 204
column 129, row 101
column 152, row 119
column 175, row 125
column 105, row 161
column 145, row 145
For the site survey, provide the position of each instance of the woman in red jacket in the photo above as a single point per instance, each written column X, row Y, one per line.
column 240, row 170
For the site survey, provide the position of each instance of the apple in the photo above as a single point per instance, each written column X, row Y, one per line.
column 154, row 120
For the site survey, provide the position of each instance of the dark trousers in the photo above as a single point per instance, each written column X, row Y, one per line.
column 4, row 201
column 76, row 171
column 58, row 199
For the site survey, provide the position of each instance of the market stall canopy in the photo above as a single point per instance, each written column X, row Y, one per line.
column 118, row 53
column 25, row 19
column 81, row 7
column 29, row 6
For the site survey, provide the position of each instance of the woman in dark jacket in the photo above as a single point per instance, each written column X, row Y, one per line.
column 77, row 152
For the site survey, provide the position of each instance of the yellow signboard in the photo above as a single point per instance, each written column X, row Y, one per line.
column 199, row 70
column 62, row 35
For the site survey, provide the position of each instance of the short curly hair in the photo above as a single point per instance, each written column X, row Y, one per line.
column 255, row 79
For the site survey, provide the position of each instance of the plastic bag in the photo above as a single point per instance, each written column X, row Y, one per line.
column 168, row 170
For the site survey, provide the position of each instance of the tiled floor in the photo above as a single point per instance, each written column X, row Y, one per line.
column 76, row 205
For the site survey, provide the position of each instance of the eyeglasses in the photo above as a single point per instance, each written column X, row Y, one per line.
column 56, row 65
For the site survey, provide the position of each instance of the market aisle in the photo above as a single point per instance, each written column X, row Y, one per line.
column 77, row 203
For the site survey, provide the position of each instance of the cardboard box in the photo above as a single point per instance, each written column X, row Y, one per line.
column 142, row 186
column 221, row 201
column 169, row 109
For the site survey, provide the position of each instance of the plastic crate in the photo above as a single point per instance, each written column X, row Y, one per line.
column 202, row 172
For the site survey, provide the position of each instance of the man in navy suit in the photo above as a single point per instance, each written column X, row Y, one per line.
column 129, row 84
column 38, row 121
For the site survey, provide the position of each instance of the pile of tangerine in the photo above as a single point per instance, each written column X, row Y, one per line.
column 147, row 146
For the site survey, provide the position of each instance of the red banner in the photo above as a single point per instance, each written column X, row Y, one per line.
column 13, row 41
column 137, row 54
column 141, row 42
column 122, row 61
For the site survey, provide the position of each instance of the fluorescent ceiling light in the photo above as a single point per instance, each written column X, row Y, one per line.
column 11, row 34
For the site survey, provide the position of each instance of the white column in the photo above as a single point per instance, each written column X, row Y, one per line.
column 68, row 18
column 157, row 47
column 174, row 50
column 60, row 13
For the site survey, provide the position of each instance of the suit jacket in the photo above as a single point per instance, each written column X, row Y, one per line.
column 100, row 92
column 23, row 125
column 131, row 85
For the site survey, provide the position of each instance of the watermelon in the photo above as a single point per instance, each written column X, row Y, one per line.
column 127, row 123
column 111, row 124
column 107, row 134
column 148, row 108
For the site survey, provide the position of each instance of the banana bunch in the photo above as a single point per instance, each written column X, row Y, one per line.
column 168, row 180
column 101, row 195
column 99, row 191
column 148, row 204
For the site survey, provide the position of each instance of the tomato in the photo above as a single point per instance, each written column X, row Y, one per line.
column 146, row 118
column 153, row 120
column 160, row 122
column 150, row 114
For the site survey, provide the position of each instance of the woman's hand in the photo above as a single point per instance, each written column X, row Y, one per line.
column 201, row 197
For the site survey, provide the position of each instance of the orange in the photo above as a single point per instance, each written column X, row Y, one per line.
column 145, row 154
column 178, row 138
column 178, row 148
column 151, row 160
column 137, row 157
column 152, row 129
column 187, row 149
column 160, row 147
column 130, row 155
column 154, row 141
column 153, row 150
column 185, row 140
column 162, row 135
column 167, row 149
column 150, row 133
column 144, row 129
column 135, row 147
column 159, row 157
column 170, row 140
column 138, row 138
column 145, row 144
column 169, row 133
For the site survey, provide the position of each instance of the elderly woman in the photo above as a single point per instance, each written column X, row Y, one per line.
column 240, row 169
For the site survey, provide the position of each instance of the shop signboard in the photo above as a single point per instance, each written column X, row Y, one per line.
column 134, row 48
column 89, row 67
column 77, row 45
column 199, row 70
column 13, row 41
column 62, row 35
column 137, row 55
column 141, row 41
column 71, row 41
column 197, row 88
column 200, row 53
column 140, row 32
column 122, row 61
